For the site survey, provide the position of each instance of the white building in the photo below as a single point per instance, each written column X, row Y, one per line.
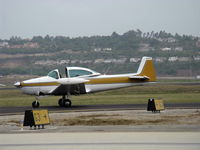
column 166, row 49
column 46, row 62
column 179, row 49
column 184, row 59
column 160, row 59
column 97, row 49
column 107, row 61
column 196, row 58
column 107, row 49
column 85, row 61
column 171, row 40
column 172, row 59
column 120, row 61
column 102, row 49
column 74, row 61
column 4, row 44
column 134, row 60
column 63, row 62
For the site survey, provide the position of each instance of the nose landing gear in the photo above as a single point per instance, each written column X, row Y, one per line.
column 35, row 104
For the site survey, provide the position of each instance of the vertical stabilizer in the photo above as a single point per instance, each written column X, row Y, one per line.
column 146, row 68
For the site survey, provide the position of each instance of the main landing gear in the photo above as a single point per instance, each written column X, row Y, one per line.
column 64, row 102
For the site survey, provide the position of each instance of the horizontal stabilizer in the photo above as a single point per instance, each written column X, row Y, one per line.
column 138, row 77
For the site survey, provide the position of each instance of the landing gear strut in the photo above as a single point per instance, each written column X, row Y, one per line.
column 63, row 102
column 35, row 104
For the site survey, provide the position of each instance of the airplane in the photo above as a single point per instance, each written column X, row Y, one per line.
column 81, row 80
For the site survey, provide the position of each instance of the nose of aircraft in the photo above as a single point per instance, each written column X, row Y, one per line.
column 17, row 84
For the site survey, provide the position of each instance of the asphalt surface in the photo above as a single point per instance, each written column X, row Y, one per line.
column 20, row 110
column 102, row 141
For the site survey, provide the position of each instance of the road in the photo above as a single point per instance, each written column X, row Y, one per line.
column 102, row 141
column 13, row 110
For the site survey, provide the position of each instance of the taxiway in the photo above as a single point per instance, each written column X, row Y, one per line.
column 102, row 141
column 20, row 110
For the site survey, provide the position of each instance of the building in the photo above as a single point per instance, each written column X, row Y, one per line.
column 160, row 59
column 179, row 49
column 134, row 60
column 4, row 44
column 196, row 58
column 184, row 59
column 166, row 49
column 172, row 59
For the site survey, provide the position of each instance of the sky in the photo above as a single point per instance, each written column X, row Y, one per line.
column 73, row 18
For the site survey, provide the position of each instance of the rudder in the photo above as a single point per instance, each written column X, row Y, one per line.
column 146, row 68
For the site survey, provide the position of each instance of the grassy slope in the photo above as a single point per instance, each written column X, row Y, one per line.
column 170, row 93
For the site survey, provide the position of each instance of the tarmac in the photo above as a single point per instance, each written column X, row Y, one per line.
column 181, row 131
column 102, row 141
column 104, row 107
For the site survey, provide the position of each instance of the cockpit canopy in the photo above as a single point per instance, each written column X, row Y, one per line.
column 80, row 72
column 71, row 72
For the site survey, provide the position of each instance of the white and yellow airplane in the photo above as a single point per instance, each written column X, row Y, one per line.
column 80, row 80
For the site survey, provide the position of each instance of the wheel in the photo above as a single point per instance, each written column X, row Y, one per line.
column 67, row 103
column 64, row 102
column 61, row 102
column 35, row 104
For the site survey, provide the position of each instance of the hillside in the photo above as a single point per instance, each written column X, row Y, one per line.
column 174, row 55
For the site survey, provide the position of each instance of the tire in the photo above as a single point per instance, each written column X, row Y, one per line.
column 67, row 103
column 35, row 104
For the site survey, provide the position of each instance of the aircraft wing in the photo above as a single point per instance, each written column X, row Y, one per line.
column 139, row 77
column 74, row 86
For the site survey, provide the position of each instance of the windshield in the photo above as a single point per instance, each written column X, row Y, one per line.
column 76, row 73
column 53, row 74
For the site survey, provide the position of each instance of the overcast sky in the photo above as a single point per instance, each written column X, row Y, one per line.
column 27, row 18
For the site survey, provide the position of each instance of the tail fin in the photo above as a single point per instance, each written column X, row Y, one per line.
column 146, row 68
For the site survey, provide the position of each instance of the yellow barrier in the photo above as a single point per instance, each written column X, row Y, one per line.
column 155, row 105
column 41, row 117
column 159, row 105
column 36, row 118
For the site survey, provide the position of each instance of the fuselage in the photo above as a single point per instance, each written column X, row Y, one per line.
column 44, row 85
column 78, row 80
